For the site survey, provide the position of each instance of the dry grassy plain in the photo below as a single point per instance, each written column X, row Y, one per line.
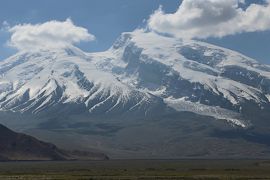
column 137, row 169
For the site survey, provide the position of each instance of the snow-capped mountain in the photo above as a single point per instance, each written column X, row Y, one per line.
column 33, row 82
column 143, row 73
column 189, row 75
column 147, row 96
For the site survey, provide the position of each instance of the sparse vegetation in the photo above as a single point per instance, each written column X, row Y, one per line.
column 137, row 169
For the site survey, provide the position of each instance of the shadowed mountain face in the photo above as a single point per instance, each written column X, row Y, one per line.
column 148, row 95
column 17, row 146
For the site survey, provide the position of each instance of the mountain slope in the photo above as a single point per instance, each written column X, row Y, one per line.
column 37, row 81
column 14, row 146
column 208, row 79
column 18, row 146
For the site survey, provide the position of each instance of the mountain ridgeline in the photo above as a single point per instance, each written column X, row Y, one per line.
column 178, row 94
column 21, row 147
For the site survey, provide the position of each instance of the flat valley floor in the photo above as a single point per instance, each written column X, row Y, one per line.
column 137, row 169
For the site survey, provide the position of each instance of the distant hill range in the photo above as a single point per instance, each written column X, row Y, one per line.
column 17, row 146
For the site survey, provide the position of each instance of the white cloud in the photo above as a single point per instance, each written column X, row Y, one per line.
column 211, row 18
column 51, row 34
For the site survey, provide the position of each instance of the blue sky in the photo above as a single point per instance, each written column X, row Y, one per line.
column 107, row 19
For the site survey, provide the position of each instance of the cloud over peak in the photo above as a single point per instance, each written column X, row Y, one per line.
column 51, row 34
column 211, row 18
